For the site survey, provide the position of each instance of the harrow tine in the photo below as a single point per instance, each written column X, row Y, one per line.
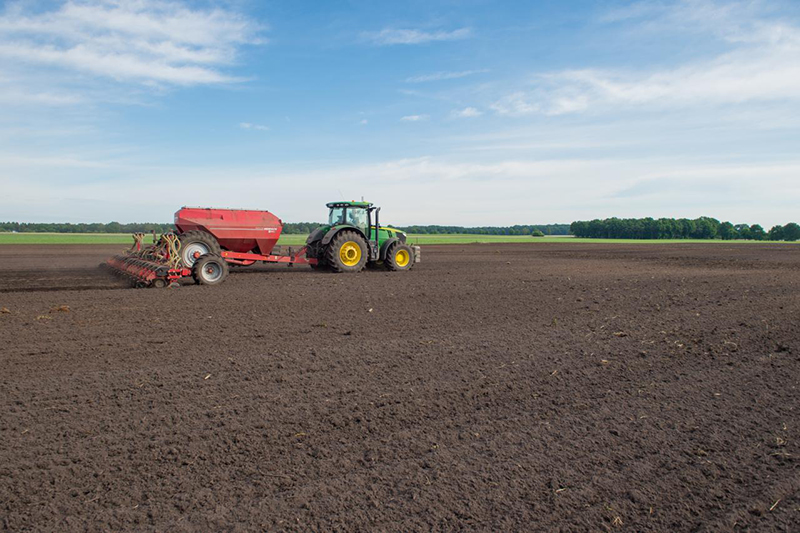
column 144, row 272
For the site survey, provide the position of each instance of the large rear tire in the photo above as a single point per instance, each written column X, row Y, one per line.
column 320, row 266
column 195, row 244
column 210, row 269
column 399, row 257
column 347, row 252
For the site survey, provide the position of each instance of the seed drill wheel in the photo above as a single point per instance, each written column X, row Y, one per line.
column 399, row 257
column 347, row 252
column 210, row 269
column 195, row 244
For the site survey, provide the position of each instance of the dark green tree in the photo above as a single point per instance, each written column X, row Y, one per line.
column 775, row 233
column 706, row 228
column 791, row 232
column 727, row 232
column 757, row 233
column 743, row 232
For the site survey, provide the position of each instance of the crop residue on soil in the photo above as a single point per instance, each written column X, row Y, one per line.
column 503, row 387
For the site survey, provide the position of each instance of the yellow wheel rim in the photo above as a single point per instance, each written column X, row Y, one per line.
column 350, row 253
column 402, row 258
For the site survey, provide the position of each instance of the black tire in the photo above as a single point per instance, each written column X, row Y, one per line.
column 344, row 246
column 197, row 242
column 399, row 257
column 210, row 269
column 320, row 266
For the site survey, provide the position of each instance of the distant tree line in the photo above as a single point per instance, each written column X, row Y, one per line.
column 609, row 228
column 300, row 228
column 116, row 227
column 94, row 227
column 681, row 228
column 545, row 229
column 288, row 227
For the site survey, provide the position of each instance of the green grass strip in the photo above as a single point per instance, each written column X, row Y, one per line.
column 294, row 240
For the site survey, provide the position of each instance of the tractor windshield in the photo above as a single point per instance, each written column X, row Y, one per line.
column 357, row 216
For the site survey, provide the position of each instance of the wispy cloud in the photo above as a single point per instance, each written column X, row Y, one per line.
column 546, row 189
column 438, row 76
column 13, row 94
column 390, row 36
column 704, row 16
column 148, row 42
column 761, row 64
column 249, row 126
column 415, row 118
column 467, row 112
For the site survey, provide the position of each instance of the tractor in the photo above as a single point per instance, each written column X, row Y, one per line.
column 353, row 239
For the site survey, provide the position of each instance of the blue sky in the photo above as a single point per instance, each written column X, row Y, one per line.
column 448, row 112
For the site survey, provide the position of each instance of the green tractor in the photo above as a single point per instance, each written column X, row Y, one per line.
column 353, row 239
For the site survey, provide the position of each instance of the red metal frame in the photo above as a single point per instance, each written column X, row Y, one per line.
column 146, row 272
column 239, row 258
column 175, row 274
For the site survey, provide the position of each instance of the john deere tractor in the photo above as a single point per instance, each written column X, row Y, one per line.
column 353, row 239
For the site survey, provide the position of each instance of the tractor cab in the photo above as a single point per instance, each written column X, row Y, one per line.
column 353, row 238
column 356, row 214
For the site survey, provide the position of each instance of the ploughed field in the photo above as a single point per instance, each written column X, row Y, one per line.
column 495, row 387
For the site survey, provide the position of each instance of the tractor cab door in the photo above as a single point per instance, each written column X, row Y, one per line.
column 359, row 217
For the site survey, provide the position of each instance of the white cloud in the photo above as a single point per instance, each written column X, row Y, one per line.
column 415, row 118
column 141, row 41
column 389, row 36
column 725, row 19
column 546, row 190
column 14, row 96
column 467, row 112
column 250, row 126
column 364, row 122
column 438, row 76
column 518, row 103
column 760, row 65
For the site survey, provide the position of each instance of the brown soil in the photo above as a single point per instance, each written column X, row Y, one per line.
column 494, row 387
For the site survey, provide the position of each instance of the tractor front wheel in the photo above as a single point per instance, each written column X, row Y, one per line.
column 399, row 257
column 347, row 252
column 210, row 269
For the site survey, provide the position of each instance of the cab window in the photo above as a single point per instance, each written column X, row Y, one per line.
column 357, row 217
column 336, row 216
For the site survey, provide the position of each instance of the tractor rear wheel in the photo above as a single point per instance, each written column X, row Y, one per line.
column 399, row 257
column 210, row 269
column 196, row 243
column 347, row 252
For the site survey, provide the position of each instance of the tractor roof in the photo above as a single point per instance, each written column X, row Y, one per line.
column 349, row 204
